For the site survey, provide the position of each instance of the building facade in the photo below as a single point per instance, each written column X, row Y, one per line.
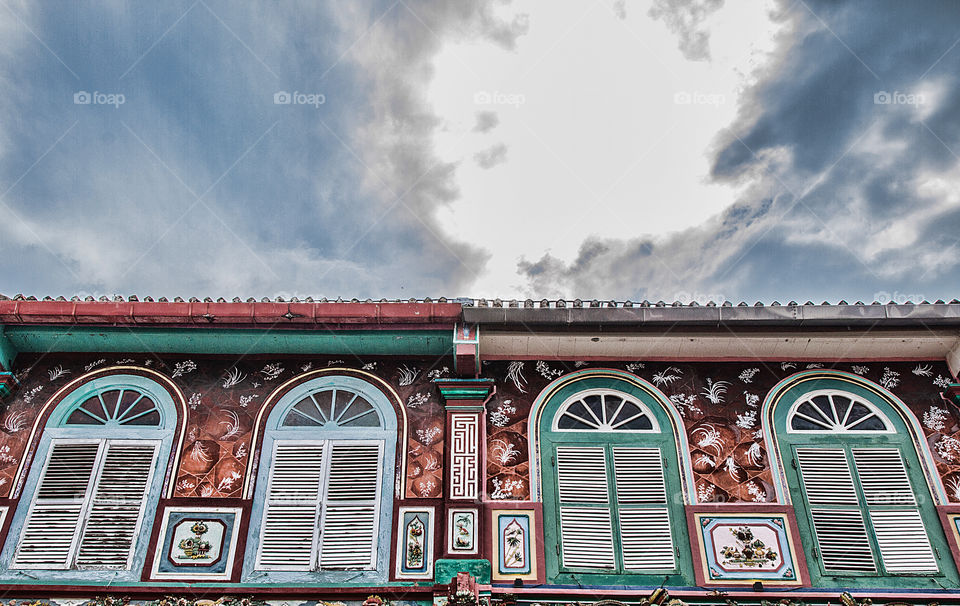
column 473, row 451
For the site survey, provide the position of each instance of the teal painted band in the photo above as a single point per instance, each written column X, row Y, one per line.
column 8, row 353
column 224, row 340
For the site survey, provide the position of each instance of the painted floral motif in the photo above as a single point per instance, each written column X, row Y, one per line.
column 514, row 555
column 715, row 391
column 546, row 372
column 56, row 373
column 515, row 375
column 923, row 370
column 748, row 551
column 501, row 416
column 890, row 378
column 685, row 404
column 935, row 418
column 195, row 547
column 415, row 557
column 233, row 377
column 747, row 375
column 667, row 376
column 182, row 368
column 407, row 375
column 860, row 370
column 94, row 364
column 271, row 371
column 505, row 489
column 463, row 531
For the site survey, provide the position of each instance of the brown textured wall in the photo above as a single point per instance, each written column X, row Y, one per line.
column 727, row 451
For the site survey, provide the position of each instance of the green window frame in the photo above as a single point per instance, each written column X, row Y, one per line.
column 596, row 484
column 864, row 510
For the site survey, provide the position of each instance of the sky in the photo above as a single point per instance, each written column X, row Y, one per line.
column 688, row 150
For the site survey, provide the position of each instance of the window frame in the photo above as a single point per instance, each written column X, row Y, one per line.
column 551, row 438
column 275, row 432
column 808, row 397
column 897, row 438
column 55, row 431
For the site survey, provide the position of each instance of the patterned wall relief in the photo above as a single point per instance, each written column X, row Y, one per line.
column 719, row 402
column 415, row 534
column 720, row 406
column 736, row 548
column 197, row 543
column 223, row 400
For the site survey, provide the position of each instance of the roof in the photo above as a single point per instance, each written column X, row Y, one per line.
column 490, row 312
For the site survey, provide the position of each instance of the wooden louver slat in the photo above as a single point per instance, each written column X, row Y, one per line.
column 51, row 528
column 644, row 531
column 582, row 474
column 293, row 497
column 586, row 537
column 903, row 542
column 118, row 502
column 826, row 476
column 350, row 522
column 883, row 476
column 842, row 539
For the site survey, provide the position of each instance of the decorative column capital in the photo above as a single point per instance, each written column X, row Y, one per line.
column 465, row 394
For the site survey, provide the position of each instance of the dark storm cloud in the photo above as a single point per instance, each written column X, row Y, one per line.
column 846, row 150
column 202, row 182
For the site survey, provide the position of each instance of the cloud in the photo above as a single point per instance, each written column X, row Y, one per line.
column 200, row 183
column 685, row 19
column 486, row 122
column 845, row 181
column 492, row 156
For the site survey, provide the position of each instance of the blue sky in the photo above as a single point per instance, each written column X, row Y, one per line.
column 660, row 150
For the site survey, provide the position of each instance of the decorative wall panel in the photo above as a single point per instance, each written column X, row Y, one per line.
column 197, row 543
column 514, row 544
column 415, row 540
column 465, row 456
column 742, row 545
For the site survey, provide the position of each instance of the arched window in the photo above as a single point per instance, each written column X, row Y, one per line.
column 91, row 494
column 609, row 471
column 323, row 495
column 854, row 479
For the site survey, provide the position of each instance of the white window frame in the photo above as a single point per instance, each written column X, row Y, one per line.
column 87, row 504
column 808, row 397
column 554, row 426
column 321, row 504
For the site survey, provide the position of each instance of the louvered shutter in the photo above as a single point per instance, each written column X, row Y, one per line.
column 642, row 504
column 292, row 507
column 834, row 508
column 901, row 537
column 118, row 502
column 351, row 509
column 53, row 525
column 586, row 536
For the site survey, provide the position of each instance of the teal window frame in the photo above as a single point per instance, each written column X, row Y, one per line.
column 274, row 432
column 56, row 430
column 665, row 440
column 900, row 438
